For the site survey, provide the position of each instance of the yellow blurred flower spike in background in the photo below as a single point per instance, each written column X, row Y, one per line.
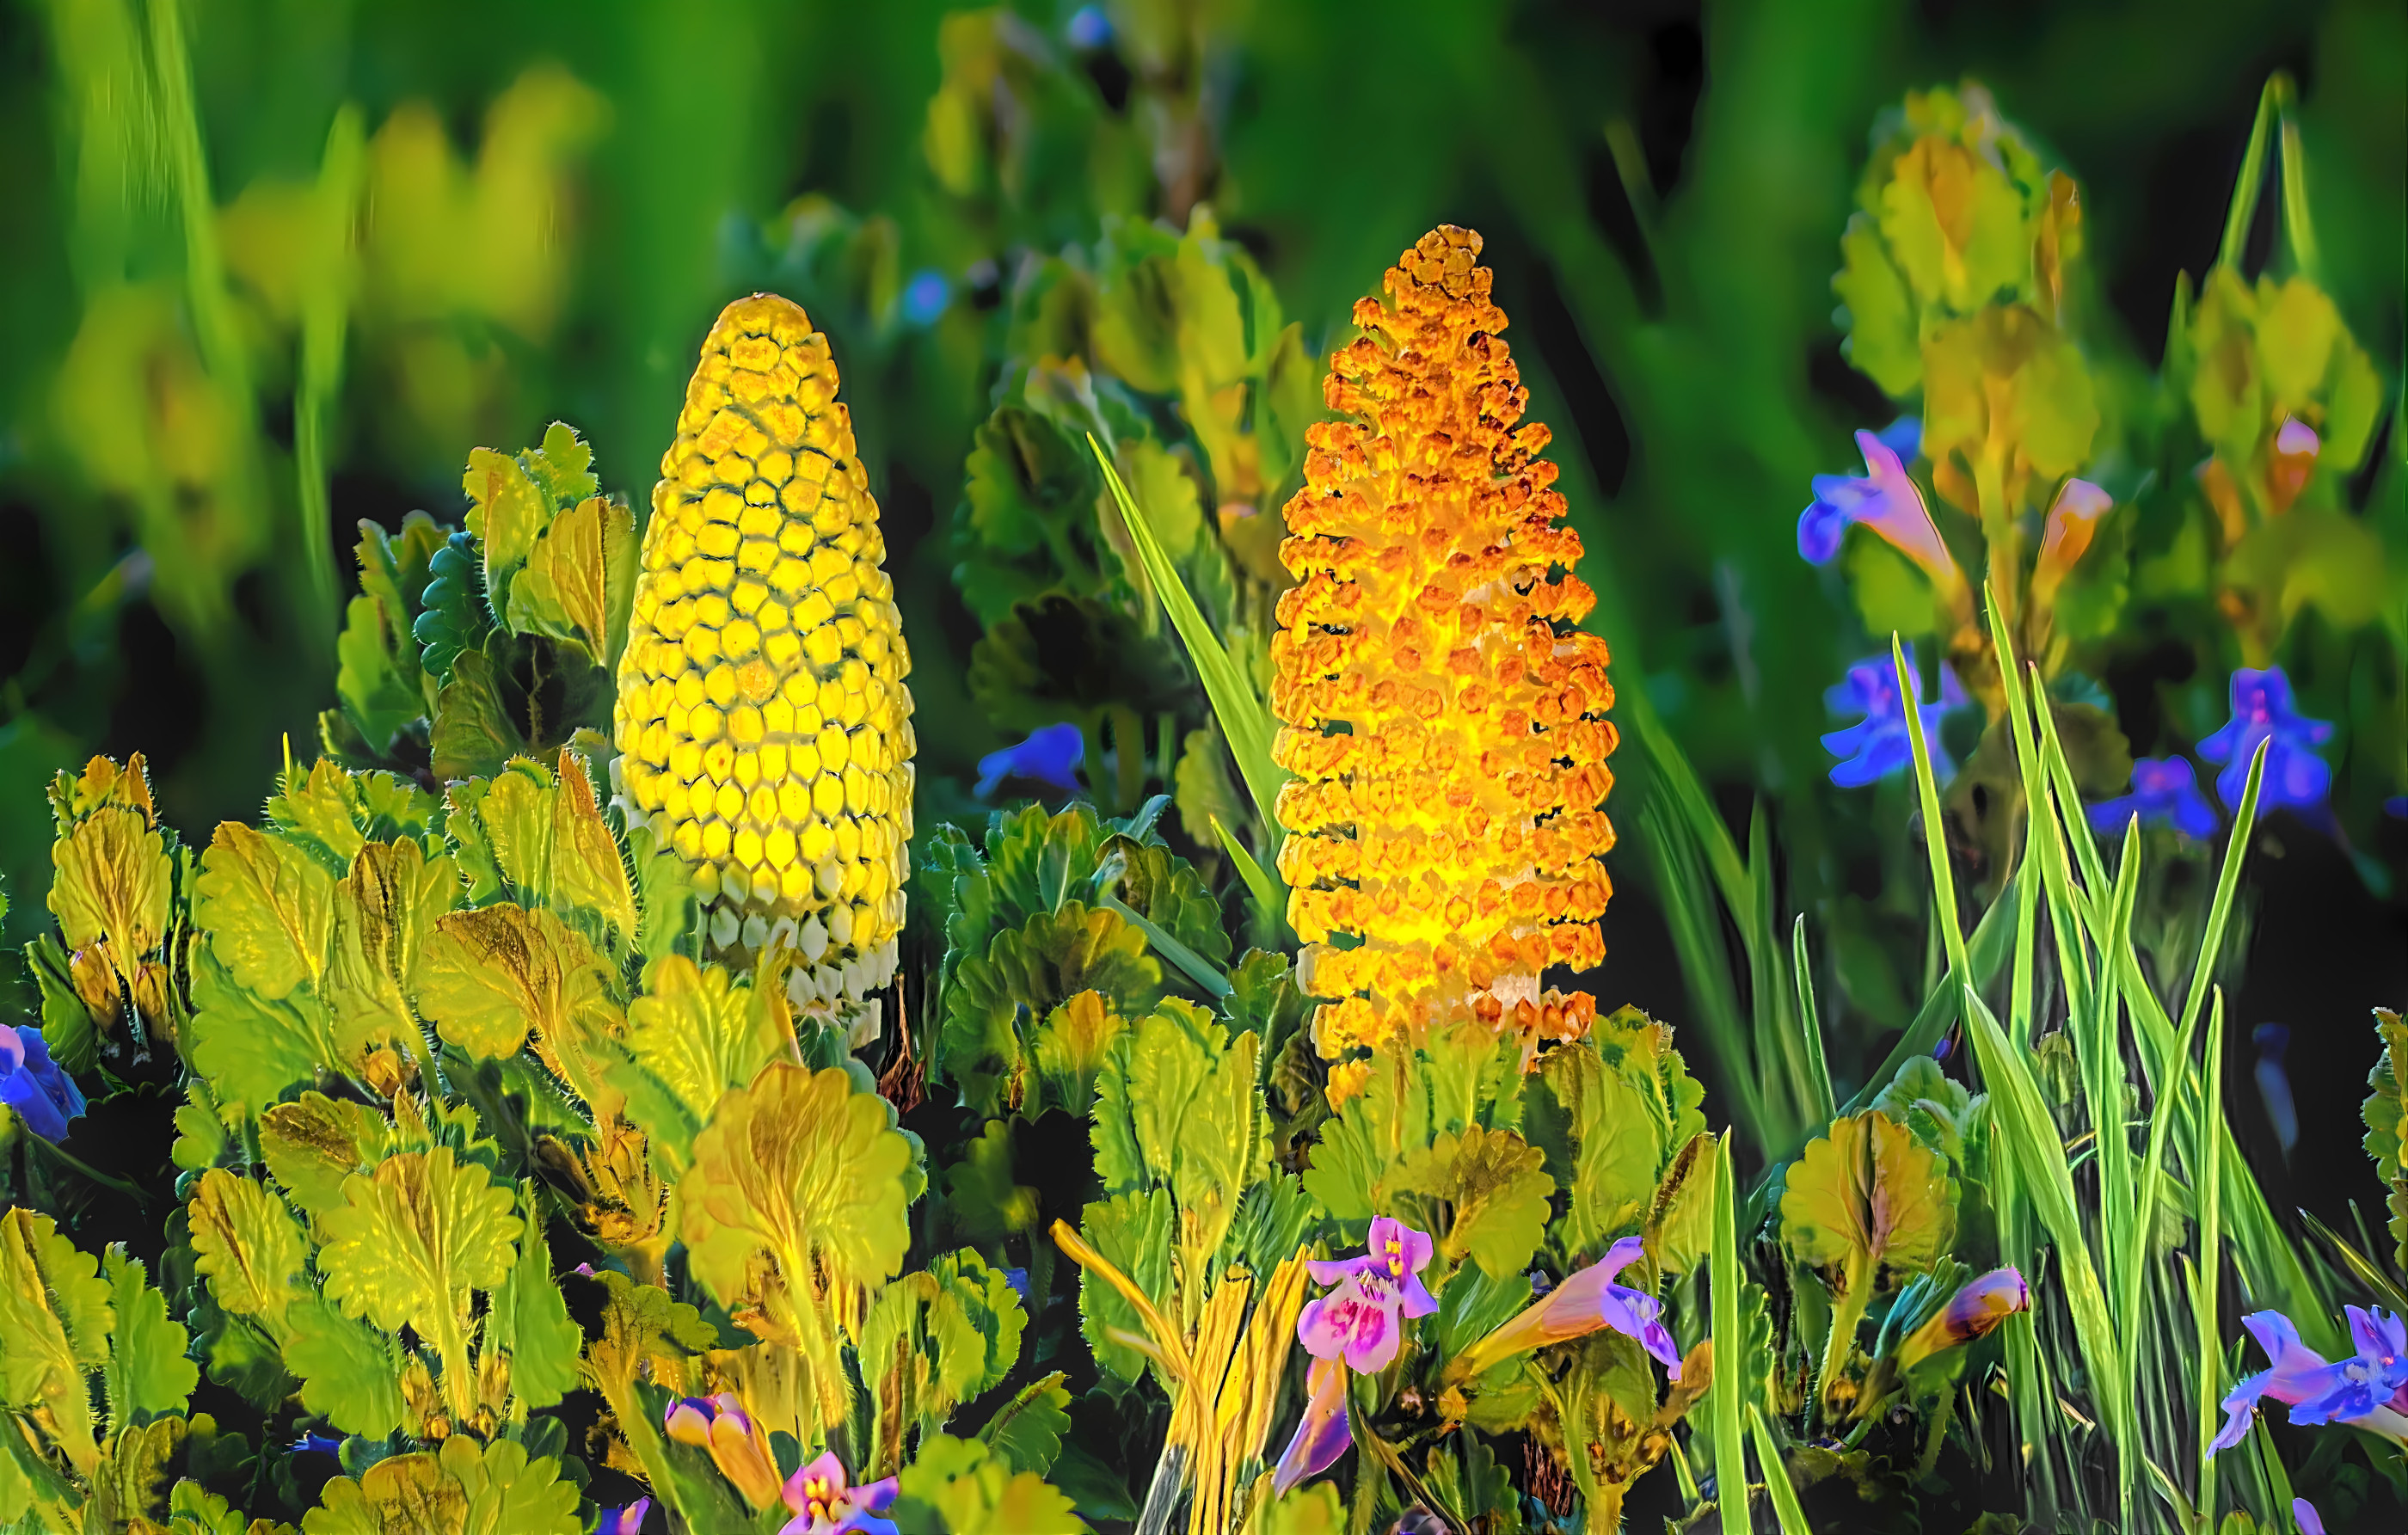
column 1442, row 718
column 762, row 721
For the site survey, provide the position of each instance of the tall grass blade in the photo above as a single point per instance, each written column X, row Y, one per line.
column 1245, row 719
column 1989, row 947
column 1783, row 1496
column 326, row 306
column 2241, row 211
column 1670, row 847
column 1259, row 884
column 2210, row 1258
column 1819, row 1109
column 1730, row 1447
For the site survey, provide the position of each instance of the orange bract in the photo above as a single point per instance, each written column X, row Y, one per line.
column 1442, row 715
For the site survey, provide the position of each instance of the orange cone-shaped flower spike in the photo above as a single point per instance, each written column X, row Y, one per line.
column 1442, row 715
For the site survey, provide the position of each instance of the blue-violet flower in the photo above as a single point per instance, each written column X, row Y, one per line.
column 2262, row 711
column 1050, row 755
column 2369, row 1390
column 1878, row 746
column 2163, row 792
column 44, row 1097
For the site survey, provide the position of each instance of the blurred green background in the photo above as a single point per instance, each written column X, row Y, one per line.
column 274, row 266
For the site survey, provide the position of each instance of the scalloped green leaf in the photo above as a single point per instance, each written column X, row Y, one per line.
column 247, row 1246
column 412, row 1239
column 150, row 1374
column 463, row 1488
column 2385, row 1129
column 548, row 839
column 805, row 1171
column 55, row 1320
column 349, row 1372
column 268, row 909
column 1493, row 1190
column 530, row 1323
column 963, row 1487
column 1041, row 964
column 490, row 978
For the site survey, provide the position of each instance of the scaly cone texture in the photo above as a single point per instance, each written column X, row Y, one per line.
column 763, row 723
column 1441, row 713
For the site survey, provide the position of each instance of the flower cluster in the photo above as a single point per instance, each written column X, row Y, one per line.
column 765, row 726
column 1444, row 719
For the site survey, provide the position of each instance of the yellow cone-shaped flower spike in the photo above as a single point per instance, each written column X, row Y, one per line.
column 1443, row 716
column 764, row 727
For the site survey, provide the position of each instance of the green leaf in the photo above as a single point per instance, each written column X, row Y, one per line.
column 1028, row 1431
column 961, row 1487
column 56, row 1318
column 1865, row 1206
column 148, row 1373
column 700, row 1033
column 409, row 1242
column 2385, row 1130
column 1493, row 1191
column 253, row 1052
column 349, row 1372
column 386, row 910
column 1028, row 519
column 1606, row 1140
column 473, row 734
column 378, row 674
column 1956, row 225
column 1456, row 1078
column 1134, row 1232
column 332, row 813
column 314, row 1144
column 549, row 842
column 803, row 1171
column 111, row 879
column 489, row 978
column 2006, row 374
column 562, row 466
column 1050, row 958
column 268, row 909
column 530, row 1323
column 1036, row 862
column 247, row 1246
column 463, row 1490
column 1882, row 342
column 1070, row 1049
column 579, row 579
column 506, row 512
column 1167, row 890
column 1179, row 1105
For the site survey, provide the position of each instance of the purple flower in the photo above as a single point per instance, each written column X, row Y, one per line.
column 1973, row 1312
column 1883, row 498
column 1050, row 755
column 2163, row 791
column 1362, row 1320
column 1322, row 1436
column 2262, row 711
column 2369, row 1390
column 624, row 1521
column 318, row 1444
column 826, row 1502
column 1878, row 746
column 2303, row 1513
column 1586, row 1300
column 924, row 297
column 44, row 1097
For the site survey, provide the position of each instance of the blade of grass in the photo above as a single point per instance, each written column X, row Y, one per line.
column 2031, row 1136
column 2211, row 1259
column 1259, row 884
column 1723, row 1397
column 1809, row 1026
column 1988, row 948
column 1935, row 835
column 1776, row 1477
column 1245, row 719
column 1198, row 968
column 326, row 308
column 2241, row 211
column 2296, row 228
column 1674, row 859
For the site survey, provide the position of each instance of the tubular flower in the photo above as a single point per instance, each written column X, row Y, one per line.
column 764, row 727
column 1974, row 1312
column 2066, row 536
column 1444, row 719
column 736, row 1444
column 1585, row 1301
column 1362, row 1320
column 2262, row 711
column 2163, row 790
column 1879, row 744
column 2369, row 1390
column 624, row 1521
column 43, row 1094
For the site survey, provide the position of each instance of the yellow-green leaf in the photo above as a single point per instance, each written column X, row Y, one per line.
column 464, row 1488
column 268, row 909
column 487, row 978
column 248, row 1244
column 702, row 1032
column 548, row 837
column 1868, row 1193
column 111, row 879
column 414, row 1238
column 148, row 1374
column 803, row 1171
column 1493, row 1187
column 385, row 912
column 579, row 579
column 55, row 1319
column 505, row 509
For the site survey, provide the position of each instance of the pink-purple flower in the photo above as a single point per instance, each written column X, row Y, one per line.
column 2368, row 1390
column 1883, row 498
column 1323, row 1435
column 826, row 1502
column 1878, row 745
column 1588, row 1300
column 1975, row 1312
column 2262, row 711
column 2163, row 792
column 1362, row 1320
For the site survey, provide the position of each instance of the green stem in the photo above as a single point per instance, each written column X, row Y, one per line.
column 2243, row 210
